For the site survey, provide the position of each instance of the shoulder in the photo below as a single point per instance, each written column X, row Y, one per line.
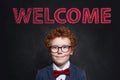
column 45, row 69
column 78, row 72
column 42, row 72
column 75, row 68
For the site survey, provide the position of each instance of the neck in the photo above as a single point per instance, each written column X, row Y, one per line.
column 62, row 66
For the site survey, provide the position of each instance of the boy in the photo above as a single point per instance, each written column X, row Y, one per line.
column 61, row 43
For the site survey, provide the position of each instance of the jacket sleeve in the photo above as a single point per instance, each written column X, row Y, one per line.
column 83, row 75
column 38, row 76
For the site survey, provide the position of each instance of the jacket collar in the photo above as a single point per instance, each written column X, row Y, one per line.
column 69, row 77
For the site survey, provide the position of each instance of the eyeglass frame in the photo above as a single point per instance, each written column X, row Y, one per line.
column 61, row 48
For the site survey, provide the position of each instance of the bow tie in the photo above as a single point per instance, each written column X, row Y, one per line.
column 57, row 73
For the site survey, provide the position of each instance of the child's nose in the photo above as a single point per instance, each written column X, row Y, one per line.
column 59, row 51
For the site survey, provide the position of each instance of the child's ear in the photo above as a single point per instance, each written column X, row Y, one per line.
column 71, row 53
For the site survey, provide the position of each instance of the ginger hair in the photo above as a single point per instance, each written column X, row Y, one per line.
column 60, row 31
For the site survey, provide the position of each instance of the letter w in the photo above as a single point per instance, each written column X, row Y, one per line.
column 21, row 14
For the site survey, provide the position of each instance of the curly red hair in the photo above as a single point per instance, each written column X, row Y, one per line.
column 61, row 31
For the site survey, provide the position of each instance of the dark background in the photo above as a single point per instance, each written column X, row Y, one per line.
column 23, row 50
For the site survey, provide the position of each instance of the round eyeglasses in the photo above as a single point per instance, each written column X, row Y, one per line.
column 64, row 48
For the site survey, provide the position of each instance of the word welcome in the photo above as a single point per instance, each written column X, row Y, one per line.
column 71, row 16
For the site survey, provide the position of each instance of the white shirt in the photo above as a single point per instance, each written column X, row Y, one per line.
column 62, row 76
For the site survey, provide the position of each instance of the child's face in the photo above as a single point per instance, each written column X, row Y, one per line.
column 60, row 50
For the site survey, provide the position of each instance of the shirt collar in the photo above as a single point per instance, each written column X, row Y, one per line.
column 67, row 65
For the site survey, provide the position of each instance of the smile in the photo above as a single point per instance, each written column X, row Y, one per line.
column 59, row 56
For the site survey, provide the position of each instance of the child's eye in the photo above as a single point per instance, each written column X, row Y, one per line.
column 65, row 46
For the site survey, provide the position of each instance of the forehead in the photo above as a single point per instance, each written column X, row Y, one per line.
column 60, row 41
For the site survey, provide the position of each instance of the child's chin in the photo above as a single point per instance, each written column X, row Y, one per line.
column 60, row 62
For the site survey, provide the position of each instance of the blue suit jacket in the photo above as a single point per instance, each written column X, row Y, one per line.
column 47, row 74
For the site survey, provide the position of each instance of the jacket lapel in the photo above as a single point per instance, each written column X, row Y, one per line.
column 50, row 73
column 69, row 77
column 72, row 73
